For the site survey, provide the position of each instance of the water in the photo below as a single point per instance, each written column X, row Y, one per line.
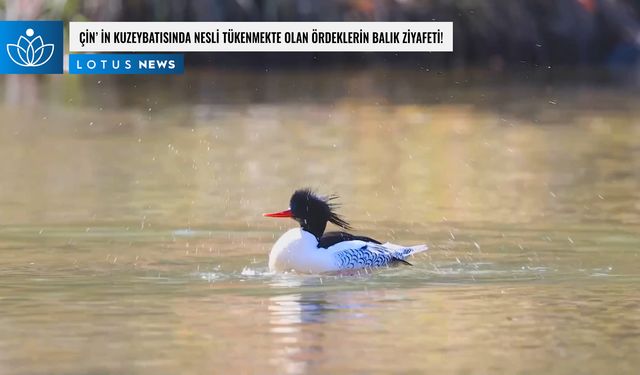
column 132, row 239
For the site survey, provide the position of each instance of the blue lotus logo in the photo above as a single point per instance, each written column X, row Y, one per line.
column 30, row 51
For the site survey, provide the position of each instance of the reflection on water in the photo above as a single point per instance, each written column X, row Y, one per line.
column 297, row 345
column 132, row 240
column 299, row 321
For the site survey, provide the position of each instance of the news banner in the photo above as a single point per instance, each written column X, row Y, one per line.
column 37, row 47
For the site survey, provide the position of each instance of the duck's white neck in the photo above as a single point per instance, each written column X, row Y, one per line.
column 298, row 249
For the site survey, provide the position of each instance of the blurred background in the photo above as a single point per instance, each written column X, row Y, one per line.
column 130, row 206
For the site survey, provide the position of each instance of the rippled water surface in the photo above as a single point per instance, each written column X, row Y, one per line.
column 132, row 239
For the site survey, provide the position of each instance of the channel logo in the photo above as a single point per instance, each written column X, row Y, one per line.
column 30, row 52
column 126, row 63
column 31, row 47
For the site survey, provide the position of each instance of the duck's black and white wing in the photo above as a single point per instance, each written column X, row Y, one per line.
column 355, row 254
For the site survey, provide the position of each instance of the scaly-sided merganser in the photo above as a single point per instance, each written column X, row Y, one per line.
column 309, row 250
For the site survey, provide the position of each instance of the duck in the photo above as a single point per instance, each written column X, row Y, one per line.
column 309, row 249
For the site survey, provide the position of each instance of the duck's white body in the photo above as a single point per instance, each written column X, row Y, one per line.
column 297, row 250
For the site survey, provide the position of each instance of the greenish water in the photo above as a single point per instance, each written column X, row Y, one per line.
column 132, row 239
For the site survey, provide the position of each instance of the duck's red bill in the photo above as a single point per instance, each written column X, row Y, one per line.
column 285, row 213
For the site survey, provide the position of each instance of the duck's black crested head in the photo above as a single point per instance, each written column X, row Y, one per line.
column 313, row 212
